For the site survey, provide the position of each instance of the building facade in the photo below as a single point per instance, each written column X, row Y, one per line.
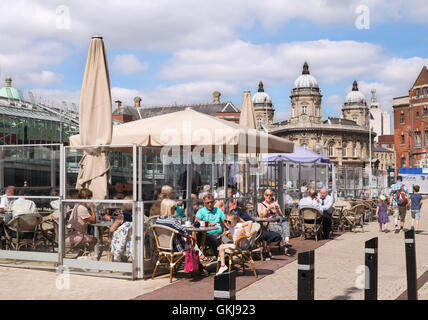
column 345, row 140
column 381, row 122
column 411, row 124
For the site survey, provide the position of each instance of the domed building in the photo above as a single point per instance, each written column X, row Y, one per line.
column 263, row 107
column 10, row 93
column 344, row 140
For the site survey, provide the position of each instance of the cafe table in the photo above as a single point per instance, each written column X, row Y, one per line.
column 203, row 234
column 98, row 234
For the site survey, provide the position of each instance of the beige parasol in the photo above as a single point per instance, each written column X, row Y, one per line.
column 247, row 119
column 197, row 130
column 95, row 122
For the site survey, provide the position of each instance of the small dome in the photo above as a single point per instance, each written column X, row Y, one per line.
column 9, row 92
column 261, row 97
column 306, row 80
column 355, row 96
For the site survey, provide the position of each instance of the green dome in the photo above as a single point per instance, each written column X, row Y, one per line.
column 9, row 92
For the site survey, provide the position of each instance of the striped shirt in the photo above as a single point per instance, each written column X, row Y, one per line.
column 179, row 243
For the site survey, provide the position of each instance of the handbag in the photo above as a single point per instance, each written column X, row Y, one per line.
column 191, row 260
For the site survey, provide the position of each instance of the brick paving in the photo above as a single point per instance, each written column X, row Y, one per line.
column 202, row 288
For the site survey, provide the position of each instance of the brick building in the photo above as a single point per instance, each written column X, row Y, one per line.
column 411, row 124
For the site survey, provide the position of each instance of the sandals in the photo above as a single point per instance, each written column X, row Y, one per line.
column 208, row 259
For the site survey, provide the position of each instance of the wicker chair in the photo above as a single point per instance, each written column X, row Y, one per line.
column 24, row 223
column 355, row 216
column 295, row 222
column 311, row 222
column 164, row 237
column 244, row 256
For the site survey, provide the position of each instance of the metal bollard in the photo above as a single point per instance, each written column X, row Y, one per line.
column 412, row 289
column 225, row 286
column 371, row 275
column 305, row 275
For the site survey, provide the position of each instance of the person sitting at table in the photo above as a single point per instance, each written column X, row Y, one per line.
column 327, row 203
column 166, row 218
column 81, row 216
column 155, row 208
column 237, row 230
column 121, row 230
column 10, row 191
column 270, row 209
column 269, row 238
column 20, row 206
column 214, row 216
column 195, row 206
column 311, row 200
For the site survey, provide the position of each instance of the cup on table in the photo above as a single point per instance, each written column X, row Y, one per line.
column 203, row 224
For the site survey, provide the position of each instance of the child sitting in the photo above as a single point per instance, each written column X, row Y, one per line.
column 239, row 231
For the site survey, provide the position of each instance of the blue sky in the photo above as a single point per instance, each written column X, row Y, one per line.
column 181, row 51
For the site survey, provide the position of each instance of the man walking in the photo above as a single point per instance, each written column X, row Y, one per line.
column 398, row 199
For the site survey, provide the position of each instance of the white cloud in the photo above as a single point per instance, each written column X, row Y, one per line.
column 189, row 92
column 245, row 62
column 128, row 64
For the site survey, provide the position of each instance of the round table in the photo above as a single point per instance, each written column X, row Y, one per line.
column 200, row 229
column 258, row 219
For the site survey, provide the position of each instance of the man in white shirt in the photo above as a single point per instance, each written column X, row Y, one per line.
column 18, row 207
column 327, row 203
column 10, row 191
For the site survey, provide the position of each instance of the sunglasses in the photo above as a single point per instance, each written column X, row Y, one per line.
column 269, row 195
column 208, row 202
column 228, row 221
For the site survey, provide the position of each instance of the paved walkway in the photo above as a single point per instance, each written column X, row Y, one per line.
column 337, row 272
column 336, row 263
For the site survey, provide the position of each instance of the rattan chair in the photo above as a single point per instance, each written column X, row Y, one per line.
column 311, row 222
column 355, row 217
column 164, row 237
column 24, row 223
column 243, row 256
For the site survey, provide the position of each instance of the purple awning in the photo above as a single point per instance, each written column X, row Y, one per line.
column 299, row 155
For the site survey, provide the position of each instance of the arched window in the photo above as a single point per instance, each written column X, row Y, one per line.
column 330, row 150
column 304, row 110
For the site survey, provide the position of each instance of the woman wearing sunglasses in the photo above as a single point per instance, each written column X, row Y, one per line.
column 269, row 209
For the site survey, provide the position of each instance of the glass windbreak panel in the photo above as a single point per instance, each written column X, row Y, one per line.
column 307, row 175
column 321, row 176
column 121, row 164
column 105, row 244
column 33, row 168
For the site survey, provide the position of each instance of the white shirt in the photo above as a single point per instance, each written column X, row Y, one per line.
column 309, row 202
column 4, row 201
column 328, row 204
column 22, row 206
column 233, row 232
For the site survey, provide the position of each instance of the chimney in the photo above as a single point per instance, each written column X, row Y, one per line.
column 216, row 96
column 118, row 104
column 8, row 82
column 137, row 102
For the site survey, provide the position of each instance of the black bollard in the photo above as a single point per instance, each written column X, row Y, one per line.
column 225, row 286
column 412, row 289
column 371, row 262
column 305, row 275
